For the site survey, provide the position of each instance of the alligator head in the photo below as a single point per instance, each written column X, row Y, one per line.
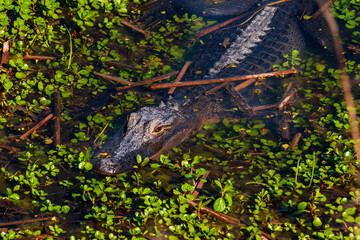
column 150, row 131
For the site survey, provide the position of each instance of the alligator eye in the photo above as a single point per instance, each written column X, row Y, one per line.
column 158, row 130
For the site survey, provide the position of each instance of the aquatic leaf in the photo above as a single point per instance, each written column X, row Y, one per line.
column 350, row 211
column 219, row 205
column 320, row 67
column 317, row 222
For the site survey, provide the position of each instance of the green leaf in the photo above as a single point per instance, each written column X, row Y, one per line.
column 317, row 222
column 320, row 67
column 302, row 206
column 350, row 211
column 219, row 205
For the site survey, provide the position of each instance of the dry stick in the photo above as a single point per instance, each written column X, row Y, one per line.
column 200, row 184
column 147, row 34
column 122, row 65
column 220, row 25
column 112, row 78
column 28, row 221
column 223, row 24
column 287, row 98
column 354, row 48
column 10, row 148
column 151, row 80
column 48, row 117
column 237, row 87
column 221, row 80
column 215, row 214
column 345, row 82
column 24, row 110
column 32, row 57
column 295, row 141
column 244, row 84
column 57, row 119
column 214, row 89
column 322, row 9
column 285, row 129
column 181, row 74
column 5, row 54
column 259, row 108
column 265, row 107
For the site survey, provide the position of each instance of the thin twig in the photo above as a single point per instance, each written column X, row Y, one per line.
column 151, row 80
column 180, row 76
column 215, row 214
column 42, row 122
column 147, row 34
column 265, row 107
column 215, row 89
column 28, row 221
column 322, row 9
column 286, row 98
column 244, row 84
column 57, row 119
column 223, row 24
column 32, row 57
column 112, row 78
column 295, row 141
column 222, row 80
column 24, row 110
column 122, row 65
column 200, row 184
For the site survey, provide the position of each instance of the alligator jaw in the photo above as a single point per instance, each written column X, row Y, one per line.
column 150, row 131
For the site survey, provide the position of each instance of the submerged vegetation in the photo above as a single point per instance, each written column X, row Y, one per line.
column 273, row 188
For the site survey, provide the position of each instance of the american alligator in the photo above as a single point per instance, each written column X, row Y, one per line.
column 272, row 31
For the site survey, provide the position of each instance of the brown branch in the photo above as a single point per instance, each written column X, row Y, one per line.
column 295, row 141
column 122, row 65
column 244, row 84
column 32, row 57
column 285, row 129
column 28, row 221
column 126, row 23
column 10, row 148
column 24, row 110
column 200, row 184
column 265, row 107
column 57, row 119
column 345, row 81
column 287, row 98
column 322, row 9
column 222, row 80
column 112, row 78
column 151, row 80
column 354, row 48
column 42, row 122
column 223, row 24
column 180, row 76
column 215, row 214
column 5, row 54
column 214, row 89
